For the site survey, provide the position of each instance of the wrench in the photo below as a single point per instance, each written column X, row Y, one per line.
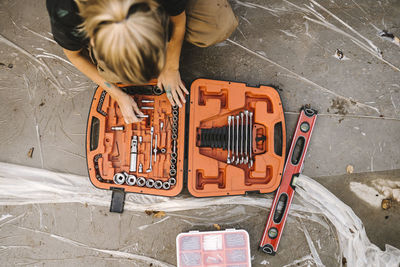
column 246, row 159
column 251, row 140
column 233, row 139
column 237, row 140
column 151, row 149
column 228, row 160
column 155, row 150
column 241, row 139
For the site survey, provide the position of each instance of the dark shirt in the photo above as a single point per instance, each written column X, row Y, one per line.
column 65, row 19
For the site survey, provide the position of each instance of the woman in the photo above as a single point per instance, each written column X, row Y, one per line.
column 132, row 41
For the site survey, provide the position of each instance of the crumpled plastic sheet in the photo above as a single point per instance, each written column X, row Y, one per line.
column 20, row 185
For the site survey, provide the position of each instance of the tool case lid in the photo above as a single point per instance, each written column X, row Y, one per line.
column 211, row 102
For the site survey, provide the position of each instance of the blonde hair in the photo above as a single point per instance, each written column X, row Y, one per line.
column 129, row 36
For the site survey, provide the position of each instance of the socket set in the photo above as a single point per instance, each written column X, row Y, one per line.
column 235, row 138
column 144, row 157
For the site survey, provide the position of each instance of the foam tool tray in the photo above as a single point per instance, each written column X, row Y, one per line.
column 234, row 137
column 219, row 248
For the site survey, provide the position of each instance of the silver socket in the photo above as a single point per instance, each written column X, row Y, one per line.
column 141, row 181
column 174, row 155
column 131, row 180
column 174, row 125
column 174, row 119
column 166, row 186
column 172, row 172
column 173, row 161
column 175, row 112
column 174, row 136
column 172, row 181
column 150, row 183
column 158, row 184
column 174, row 131
column 163, row 150
column 175, row 107
column 119, row 178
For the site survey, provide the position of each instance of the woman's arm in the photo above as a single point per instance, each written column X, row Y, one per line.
column 170, row 79
column 125, row 102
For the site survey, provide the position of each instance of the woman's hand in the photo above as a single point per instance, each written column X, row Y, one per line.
column 128, row 108
column 171, row 81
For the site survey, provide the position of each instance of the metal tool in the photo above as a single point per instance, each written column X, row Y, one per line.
column 150, row 183
column 237, row 140
column 172, row 181
column 155, row 149
column 141, row 181
column 246, row 159
column 151, row 149
column 131, row 180
column 147, row 101
column 140, row 168
column 228, row 160
column 241, row 138
column 142, row 116
column 140, row 139
column 166, row 185
column 146, row 108
column 117, row 128
column 158, row 184
column 161, row 126
column 174, row 146
column 173, row 160
column 134, row 150
column 284, row 194
column 157, row 90
column 233, row 139
column 251, row 140
column 119, row 178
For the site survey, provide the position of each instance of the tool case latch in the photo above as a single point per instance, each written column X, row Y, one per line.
column 117, row 200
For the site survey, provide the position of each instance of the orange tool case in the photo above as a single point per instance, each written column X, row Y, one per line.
column 229, row 139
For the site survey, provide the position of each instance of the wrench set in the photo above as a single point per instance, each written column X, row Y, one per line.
column 234, row 138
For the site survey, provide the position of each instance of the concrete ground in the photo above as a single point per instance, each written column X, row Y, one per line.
column 289, row 44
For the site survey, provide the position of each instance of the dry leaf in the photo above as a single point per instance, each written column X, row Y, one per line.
column 30, row 152
column 148, row 212
column 159, row 214
column 386, row 204
column 349, row 169
column 216, row 226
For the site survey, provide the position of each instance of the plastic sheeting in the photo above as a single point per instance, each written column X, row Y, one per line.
column 21, row 185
